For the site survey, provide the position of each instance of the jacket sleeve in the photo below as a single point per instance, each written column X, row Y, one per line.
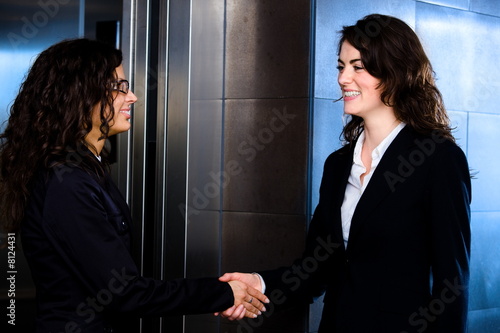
column 450, row 198
column 309, row 275
column 83, row 231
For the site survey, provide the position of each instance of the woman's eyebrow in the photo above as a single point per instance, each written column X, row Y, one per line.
column 351, row 61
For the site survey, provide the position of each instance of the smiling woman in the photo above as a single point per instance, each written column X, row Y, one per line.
column 123, row 98
column 74, row 223
column 361, row 91
column 402, row 69
column 394, row 201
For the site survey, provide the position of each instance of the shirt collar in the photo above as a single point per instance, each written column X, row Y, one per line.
column 379, row 151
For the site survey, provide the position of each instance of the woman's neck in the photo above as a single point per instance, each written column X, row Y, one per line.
column 94, row 144
column 377, row 129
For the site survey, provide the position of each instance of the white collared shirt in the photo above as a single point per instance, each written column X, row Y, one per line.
column 355, row 187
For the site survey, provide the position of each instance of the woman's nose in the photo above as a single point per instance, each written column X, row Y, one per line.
column 344, row 77
column 131, row 97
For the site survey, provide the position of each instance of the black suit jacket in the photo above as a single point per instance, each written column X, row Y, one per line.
column 411, row 224
column 76, row 238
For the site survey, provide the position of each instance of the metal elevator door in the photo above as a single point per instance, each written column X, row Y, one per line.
column 166, row 57
column 215, row 167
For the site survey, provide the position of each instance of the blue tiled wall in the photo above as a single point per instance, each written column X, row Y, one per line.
column 462, row 39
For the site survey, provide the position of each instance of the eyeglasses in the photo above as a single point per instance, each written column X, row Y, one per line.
column 121, row 86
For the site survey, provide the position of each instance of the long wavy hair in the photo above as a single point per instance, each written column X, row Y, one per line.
column 52, row 115
column 391, row 51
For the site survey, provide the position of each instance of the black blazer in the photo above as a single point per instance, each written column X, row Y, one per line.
column 411, row 223
column 76, row 238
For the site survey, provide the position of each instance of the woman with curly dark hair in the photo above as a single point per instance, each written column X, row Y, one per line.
column 390, row 238
column 74, row 224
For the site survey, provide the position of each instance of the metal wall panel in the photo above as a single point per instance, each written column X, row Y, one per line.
column 265, row 46
column 266, row 144
column 137, row 169
column 265, row 153
column 198, row 131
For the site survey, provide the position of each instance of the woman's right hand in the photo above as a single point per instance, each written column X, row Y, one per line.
column 248, row 302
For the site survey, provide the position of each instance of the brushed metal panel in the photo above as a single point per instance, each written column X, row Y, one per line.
column 136, row 149
column 98, row 10
column 267, row 49
column 266, row 147
column 203, row 245
column 204, row 188
column 288, row 321
column 206, row 323
column 205, row 120
column 121, row 170
column 252, row 241
column 135, row 45
column 205, row 179
column 207, row 49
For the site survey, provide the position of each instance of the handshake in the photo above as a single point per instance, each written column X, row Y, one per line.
column 248, row 298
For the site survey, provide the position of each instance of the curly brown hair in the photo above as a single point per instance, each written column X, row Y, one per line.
column 51, row 116
column 391, row 51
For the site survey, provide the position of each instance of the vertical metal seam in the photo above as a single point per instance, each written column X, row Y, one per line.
column 188, row 115
column 145, row 103
column 162, row 144
column 161, row 129
column 310, row 145
column 223, row 133
column 131, row 73
column 222, row 150
column 310, row 136
column 186, row 194
column 130, row 135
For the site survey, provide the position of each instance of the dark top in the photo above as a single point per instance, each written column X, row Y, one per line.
column 76, row 238
column 406, row 266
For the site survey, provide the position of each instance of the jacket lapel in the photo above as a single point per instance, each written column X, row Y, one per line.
column 385, row 179
column 118, row 199
column 107, row 183
column 339, row 175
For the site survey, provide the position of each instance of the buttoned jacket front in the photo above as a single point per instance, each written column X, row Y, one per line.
column 410, row 224
column 76, row 238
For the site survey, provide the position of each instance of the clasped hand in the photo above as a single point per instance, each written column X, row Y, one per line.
column 248, row 300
